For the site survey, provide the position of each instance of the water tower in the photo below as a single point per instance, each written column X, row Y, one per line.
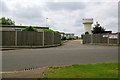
column 87, row 24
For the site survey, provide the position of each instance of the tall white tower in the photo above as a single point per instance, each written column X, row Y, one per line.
column 87, row 25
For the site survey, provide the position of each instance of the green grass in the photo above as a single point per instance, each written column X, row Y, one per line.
column 100, row 70
column 63, row 41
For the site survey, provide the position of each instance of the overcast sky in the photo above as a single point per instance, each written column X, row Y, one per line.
column 64, row 15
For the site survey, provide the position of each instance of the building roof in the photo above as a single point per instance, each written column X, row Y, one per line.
column 105, row 31
column 62, row 33
column 108, row 32
column 15, row 26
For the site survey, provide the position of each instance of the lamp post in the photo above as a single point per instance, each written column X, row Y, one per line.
column 46, row 22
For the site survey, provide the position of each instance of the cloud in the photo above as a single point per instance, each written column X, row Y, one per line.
column 70, row 20
column 29, row 12
column 69, row 6
column 78, row 23
column 25, row 14
column 62, row 16
column 3, row 7
column 119, row 16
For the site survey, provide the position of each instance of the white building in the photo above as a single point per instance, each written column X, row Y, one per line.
column 87, row 25
column 62, row 35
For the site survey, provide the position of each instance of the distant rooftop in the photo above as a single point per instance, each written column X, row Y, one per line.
column 62, row 33
column 87, row 18
column 15, row 26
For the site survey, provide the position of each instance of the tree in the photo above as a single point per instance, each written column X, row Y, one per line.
column 81, row 36
column 86, row 32
column 7, row 21
column 98, row 29
column 30, row 28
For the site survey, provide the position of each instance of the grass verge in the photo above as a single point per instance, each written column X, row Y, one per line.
column 99, row 70
column 63, row 41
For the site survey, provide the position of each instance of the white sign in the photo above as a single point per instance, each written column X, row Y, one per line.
column 105, row 35
column 113, row 36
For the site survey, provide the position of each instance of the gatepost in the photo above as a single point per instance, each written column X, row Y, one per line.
column 91, row 38
column 108, row 39
column 53, row 38
column 43, row 39
column 16, row 38
column 118, row 38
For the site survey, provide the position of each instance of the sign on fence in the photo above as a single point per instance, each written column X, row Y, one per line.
column 105, row 36
column 113, row 36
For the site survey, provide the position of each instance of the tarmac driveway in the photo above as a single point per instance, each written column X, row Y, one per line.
column 70, row 53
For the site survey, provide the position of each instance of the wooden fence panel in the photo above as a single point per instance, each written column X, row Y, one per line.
column 48, row 38
column 39, row 38
column 86, row 38
column 26, row 38
column 29, row 38
column 8, row 38
column 118, row 38
column 57, row 39
column 104, row 39
column 0, row 38
column 23, row 39
column 98, row 38
column 113, row 41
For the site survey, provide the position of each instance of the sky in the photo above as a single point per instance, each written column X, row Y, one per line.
column 63, row 15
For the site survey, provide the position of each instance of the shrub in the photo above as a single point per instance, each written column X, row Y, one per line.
column 86, row 32
column 51, row 31
column 81, row 36
column 30, row 28
column 64, row 38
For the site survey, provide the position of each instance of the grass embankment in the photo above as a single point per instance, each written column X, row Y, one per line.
column 100, row 70
column 63, row 41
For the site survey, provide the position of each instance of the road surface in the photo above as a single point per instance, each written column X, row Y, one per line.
column 70, row 53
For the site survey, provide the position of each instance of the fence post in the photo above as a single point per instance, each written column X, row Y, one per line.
column 16, row 38
column 108, row 39
column 1, row 32
column 91, row 38
column 43, row 39
column 118, row 38
column 53, row 38
column 60, row 38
